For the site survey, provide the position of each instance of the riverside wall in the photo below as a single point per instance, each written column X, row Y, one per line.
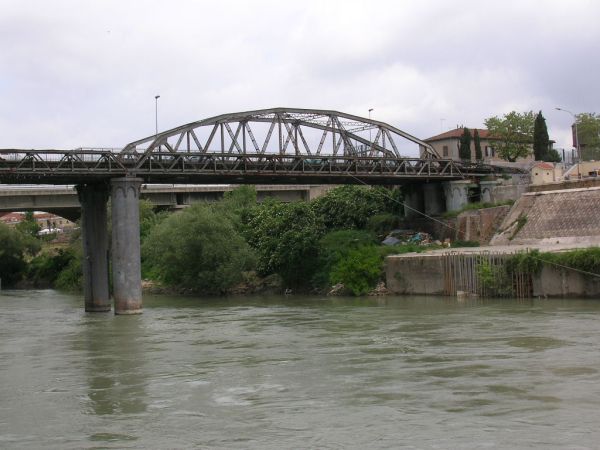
column 431, row 274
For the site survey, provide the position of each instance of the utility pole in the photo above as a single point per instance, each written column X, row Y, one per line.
column 156, row 97
column 576, row 138
column 370, row 139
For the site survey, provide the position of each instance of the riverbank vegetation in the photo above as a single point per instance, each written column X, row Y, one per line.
column 239, row 245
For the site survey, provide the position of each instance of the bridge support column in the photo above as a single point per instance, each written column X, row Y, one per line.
column 413, row 201
column 126, row 265
column 457, row 194
column 94, row 233
column 487, row 191
column 434, row 199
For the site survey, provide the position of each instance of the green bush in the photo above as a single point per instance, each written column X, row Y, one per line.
column 149, row 218
column 586, row 259
column 70, row 277
column 383, row 223
column 197, row 249
column 336, row 245
column 359, row 270
column 286, row 238
column 13, row 251
column 347, row 207
column 45, row 268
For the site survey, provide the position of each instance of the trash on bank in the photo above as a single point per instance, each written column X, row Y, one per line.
column 403, row 237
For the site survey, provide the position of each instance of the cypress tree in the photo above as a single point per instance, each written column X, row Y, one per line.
column 478, row 154
column 464, row 151
column 541, row 141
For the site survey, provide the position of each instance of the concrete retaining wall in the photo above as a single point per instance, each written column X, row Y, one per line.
column 424, row 274
column 414, row 275
column 557, row 282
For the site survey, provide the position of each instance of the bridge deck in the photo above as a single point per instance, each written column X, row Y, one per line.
column 85, row 166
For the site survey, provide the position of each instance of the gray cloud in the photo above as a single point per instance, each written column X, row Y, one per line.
column 85, row 73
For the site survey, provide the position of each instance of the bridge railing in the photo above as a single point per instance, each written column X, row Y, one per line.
column 107, row 163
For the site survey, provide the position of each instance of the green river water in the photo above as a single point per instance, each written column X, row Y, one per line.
column 299, row 372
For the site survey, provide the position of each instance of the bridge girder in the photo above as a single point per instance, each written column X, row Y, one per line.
column 337, row 133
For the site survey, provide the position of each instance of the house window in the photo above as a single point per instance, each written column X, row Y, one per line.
column 445, row 150
column 487, row 151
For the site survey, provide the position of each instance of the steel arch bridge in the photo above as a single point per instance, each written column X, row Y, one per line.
column 269, row 146
column 286, row 130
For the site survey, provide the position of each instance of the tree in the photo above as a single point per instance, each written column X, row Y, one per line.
column 197, row 249
column 478, row 154
column 541, row 141
column 13, row 249
column 286, row 238
column 552, row 156
column 347, row 207
column 237, row 204
column 588, row 134
column 513, row 134
column 148, row 217
column 464, row 151
column 359, row 270
column 29, row 225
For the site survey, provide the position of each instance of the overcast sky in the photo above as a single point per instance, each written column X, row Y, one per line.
column 85, row 73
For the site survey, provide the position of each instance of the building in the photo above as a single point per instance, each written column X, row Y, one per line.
column 12, row 218
column 44, row 220
column 584, row 169
column 447, row 145
column 546, row 172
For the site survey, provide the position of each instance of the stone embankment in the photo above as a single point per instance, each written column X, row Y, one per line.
column 553, row 217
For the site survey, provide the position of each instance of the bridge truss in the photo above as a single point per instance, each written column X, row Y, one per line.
column 271, row 146
column 283, row 131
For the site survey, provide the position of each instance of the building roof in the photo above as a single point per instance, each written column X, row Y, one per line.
column 12, row 217
column 457, row 133
column 544, row 165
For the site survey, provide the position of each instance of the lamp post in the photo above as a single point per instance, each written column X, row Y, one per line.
column 156, row 97
column 576, row 137
column 370, row 143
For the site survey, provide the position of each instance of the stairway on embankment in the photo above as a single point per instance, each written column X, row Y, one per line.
column 570, row 216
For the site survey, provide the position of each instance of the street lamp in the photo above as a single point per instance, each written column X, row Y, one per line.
column 370, row 144
column 156, row 97
column 576, row 135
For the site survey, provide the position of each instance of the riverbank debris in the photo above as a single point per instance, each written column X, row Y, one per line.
column 403, row 237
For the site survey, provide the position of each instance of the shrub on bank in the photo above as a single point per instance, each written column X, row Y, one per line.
column 349, row 207
column 45, row 268
column 197, row 249
column 359, row 270
column 285, row 237
column 333, row 247
column 12, row 255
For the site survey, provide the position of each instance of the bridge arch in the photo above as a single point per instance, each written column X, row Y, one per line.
column 284, row 131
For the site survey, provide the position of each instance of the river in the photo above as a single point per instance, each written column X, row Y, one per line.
column 299, row 372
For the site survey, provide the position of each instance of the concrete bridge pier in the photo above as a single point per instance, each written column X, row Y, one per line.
column 433, row 194
column 457, row 194
column 94, row 233
column 126, row 265
column 487, row 191
column 413, row 201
